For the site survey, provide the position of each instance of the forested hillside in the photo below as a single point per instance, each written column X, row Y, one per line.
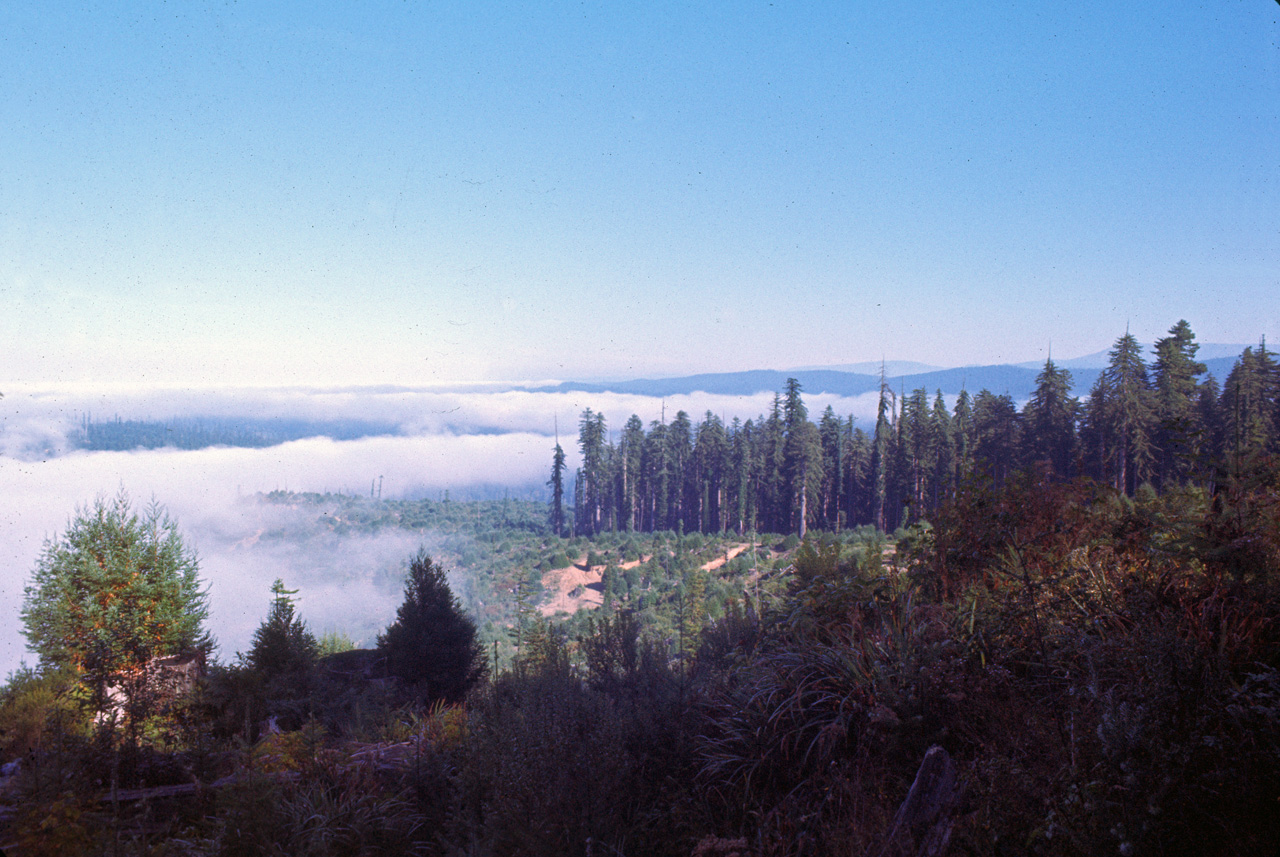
column 191, row 433
column 1166, row 423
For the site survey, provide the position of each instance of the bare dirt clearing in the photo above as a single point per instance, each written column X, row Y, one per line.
column 728, row 555
column 562, row 583
column 577, row 586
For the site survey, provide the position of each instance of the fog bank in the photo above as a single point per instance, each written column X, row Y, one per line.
column 344, row 582
column 461, row 440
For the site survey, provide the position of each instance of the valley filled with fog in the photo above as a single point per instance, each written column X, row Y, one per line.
column 470, row 443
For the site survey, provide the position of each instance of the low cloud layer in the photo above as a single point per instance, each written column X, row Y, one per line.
column 205, row 491
column 34, row 422
column 462, row 441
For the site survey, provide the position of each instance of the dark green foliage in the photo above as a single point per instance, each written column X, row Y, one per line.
column 1049, row 422
column 1181, row 438
column 1250, row 407
column 432, row 644
column 556, row 484
column 556, row 766
column 282, row 644
column 335, row 811
column 996, row 434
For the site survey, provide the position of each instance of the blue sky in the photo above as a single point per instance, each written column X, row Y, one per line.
column 425, row 193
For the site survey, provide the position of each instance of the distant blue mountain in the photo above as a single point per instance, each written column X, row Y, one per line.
column 892, row 368
column 730, row 384
column 1014, row 380
column 1099, row 359
column 1018, row 381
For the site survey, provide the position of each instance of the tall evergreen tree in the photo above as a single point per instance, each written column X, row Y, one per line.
column 556, row 483
column 631, row 465
column 1209, row 416
column 802, row 460
column 742, row 500
column 996, row 432
column 918, row 438
column 1097, row 440
column 683, row 486
column 1179, row 432
column 857, row 458
column 831, row 433
column 591, row 502
column 711, row 459
column 775, row 511
column 942, row 479
column 1251, row 406
column 881, row 451
column 962, row 428
column 1130, row 413
column 656, row 478
column 1049, row 421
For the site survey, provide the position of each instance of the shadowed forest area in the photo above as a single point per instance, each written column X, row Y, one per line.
column 978, row 630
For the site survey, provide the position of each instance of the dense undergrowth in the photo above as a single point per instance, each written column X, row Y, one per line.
column 1103, row 671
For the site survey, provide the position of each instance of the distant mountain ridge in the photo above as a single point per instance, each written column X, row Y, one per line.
column 1018, row 381
column 892, row 368
column 1099, row 359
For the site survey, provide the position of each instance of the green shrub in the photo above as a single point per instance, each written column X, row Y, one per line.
column 35, row 706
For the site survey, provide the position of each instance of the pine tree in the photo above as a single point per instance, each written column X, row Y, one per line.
column 682, row 485
column 432, row 643
column 591, row 501
column 857, row 458
column 742, row 499
column 631, row 465
column 996, row 433
column 1130, row 413
column 942, row 479
column 1179, row 432
column 918, row 453
column 881, row 450
column 282, row 644
column 962, row 426
column 710, row 461
column 556, row 483
column 831, row 434
column 656, row 476
column 1251, row 406
column 775, row 511
column 1049, row 421
column 1096, row 432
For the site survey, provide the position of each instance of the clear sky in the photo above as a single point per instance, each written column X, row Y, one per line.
column 418, row 193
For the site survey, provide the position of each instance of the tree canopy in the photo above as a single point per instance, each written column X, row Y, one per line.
column 114, row 591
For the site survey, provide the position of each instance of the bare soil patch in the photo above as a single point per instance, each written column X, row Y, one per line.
column 728, row 555
column 562, row 583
